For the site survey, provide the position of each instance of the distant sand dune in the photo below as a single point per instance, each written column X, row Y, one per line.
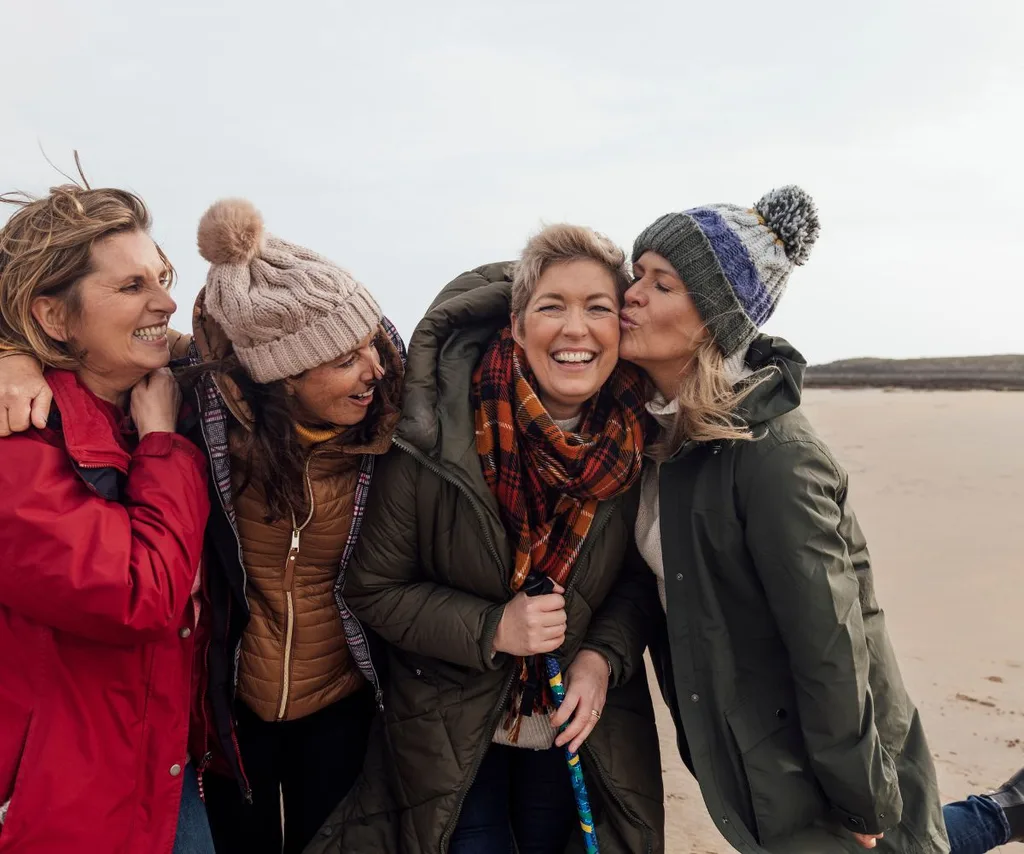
column 998, row 373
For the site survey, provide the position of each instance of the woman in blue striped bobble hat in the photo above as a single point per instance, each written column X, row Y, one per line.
column 773, row 656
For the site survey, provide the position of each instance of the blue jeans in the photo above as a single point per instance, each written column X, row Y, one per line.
column 193, row 835
column 975, row 826
column 521, row 794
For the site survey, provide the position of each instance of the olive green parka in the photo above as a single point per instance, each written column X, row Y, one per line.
column 431, row 576
column 774, row 658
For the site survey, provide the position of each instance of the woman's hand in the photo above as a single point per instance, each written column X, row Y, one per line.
column 586, row 689
column 868, row 840
column 156, row 399
column 24, row 395
column 532, row 625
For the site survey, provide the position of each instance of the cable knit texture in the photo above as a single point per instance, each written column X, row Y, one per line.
column 285, row 308
column 735, row 261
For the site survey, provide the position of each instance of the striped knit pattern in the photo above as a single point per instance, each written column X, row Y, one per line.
column 734, row 261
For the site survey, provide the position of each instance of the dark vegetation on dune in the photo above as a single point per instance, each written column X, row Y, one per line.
column 1000, row 373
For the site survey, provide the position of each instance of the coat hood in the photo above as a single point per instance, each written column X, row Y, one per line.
column 780, row 391
column 437, row 417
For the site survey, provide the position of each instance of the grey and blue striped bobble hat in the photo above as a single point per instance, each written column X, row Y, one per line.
column 735, row 261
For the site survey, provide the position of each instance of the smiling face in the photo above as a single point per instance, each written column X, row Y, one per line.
column 569, row 331
column 117, row 315
column 339, row 393
column 661, row 327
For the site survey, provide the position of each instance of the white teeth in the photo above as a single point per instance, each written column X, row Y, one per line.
column 151, row 333
column 364, row 394
column 573, row 356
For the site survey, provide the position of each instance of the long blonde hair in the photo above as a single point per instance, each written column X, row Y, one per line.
column 709, row 398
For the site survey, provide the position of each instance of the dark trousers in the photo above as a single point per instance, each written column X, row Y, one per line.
column 311, row 763
column 519, row 794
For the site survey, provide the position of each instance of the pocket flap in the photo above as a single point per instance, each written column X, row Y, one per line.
column 756, row 718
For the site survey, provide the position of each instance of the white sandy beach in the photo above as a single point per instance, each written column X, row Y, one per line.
column 937, row 480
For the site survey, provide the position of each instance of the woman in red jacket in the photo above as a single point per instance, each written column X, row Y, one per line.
column 102, row 514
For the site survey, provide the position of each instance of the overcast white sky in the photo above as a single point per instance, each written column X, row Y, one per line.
column 410, row 141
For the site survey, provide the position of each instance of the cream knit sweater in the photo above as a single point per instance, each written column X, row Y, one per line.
column 648, row 516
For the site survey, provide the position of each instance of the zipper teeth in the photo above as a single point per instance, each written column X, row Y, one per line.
column 220, row 497
column 287, row 655
column 289, row 596
column 507, row 690
column 458, row 484
column 633, row 817
column 477, row 762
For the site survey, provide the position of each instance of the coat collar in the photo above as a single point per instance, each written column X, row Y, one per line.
column 90, row 434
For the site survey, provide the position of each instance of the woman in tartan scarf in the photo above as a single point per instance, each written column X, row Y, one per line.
column 521, row 438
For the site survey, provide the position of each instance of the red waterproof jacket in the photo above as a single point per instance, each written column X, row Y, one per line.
column 99, row 549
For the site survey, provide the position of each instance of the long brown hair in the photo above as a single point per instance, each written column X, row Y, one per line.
column 274, row 458
column 46, row 249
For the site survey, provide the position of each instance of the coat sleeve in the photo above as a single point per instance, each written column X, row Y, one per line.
column 116, row 573
column 623, row 625
column 797, row 529
column 177, row 343
column 386, row 588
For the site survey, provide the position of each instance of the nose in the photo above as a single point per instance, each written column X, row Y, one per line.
column 162, row 302
column 575, row 323
column 635, row 294
column 371, row 367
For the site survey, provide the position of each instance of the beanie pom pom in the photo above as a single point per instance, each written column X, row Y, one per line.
column 791, row 214
column 230, row 232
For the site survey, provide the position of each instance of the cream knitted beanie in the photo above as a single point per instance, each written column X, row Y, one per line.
column 284, row 308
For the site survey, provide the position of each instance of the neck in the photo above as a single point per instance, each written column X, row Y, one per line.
column 667, row 377
column 561, row 411
column 106, row 388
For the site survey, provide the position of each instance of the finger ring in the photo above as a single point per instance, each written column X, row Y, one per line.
column 595, row 713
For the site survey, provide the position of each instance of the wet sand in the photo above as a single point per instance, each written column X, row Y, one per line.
column 937, row 480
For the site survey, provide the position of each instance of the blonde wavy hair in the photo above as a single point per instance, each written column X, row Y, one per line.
column 709, row 398
column 559, row 244
column 46, row 249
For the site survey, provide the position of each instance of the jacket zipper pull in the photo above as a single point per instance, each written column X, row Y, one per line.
column 293, row 554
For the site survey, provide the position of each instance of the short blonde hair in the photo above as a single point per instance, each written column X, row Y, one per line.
column 560, row 244
column 46, row 249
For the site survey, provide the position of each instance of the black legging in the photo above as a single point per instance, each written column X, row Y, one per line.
column 311, row 762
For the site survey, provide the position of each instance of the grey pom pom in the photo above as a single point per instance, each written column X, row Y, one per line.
column 791, row 214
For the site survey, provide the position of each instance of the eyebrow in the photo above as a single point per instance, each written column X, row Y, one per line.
column 589, row 297
column 142, row 274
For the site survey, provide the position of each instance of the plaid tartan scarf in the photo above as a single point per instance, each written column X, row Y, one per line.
column 549, row 483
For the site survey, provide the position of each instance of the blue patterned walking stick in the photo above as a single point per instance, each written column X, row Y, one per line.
column 535, row 585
